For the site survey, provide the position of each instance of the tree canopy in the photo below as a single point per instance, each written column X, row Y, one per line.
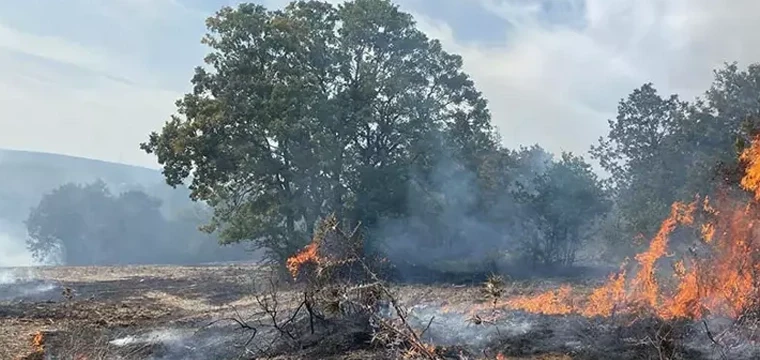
column 317, row 109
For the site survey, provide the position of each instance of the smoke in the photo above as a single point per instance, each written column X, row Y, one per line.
column 153, row 337
column 593, row 337
column 445, row 222
column 14, row 252
column 457, row 227
column 451, row 328
column 18, row 280
column 211, row 342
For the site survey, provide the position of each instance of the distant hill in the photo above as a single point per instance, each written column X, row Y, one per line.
column 25, row 176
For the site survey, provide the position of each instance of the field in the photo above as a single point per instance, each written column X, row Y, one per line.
column 108, row 303
column 170, row 312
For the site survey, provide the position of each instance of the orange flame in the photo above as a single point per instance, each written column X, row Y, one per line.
column 297, row 261
column 604, row 300
column 722, row 278
column 555, row 302
column 38, row 347
column 38, row 341
column 751, row 179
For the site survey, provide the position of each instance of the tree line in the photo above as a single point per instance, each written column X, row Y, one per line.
column 319, row 109
column 86, row 224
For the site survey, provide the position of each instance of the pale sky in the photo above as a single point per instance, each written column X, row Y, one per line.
column 92, row 78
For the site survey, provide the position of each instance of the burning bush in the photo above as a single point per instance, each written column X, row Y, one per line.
column 340, row 283
column 331, row 255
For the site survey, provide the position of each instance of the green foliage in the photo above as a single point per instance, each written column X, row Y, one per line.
column 317, row 109
column 87, row 225
column 641, row 150
column 565, row 199
column 660, row 150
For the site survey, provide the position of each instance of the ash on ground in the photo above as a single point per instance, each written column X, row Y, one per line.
column 181, row 344
column 22, row 285
column 518, row 333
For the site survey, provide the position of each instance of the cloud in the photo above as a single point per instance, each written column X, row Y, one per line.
column 94, row 85
column 51, row 48
column 52, row 107
column 558, row 84
column 79, row 96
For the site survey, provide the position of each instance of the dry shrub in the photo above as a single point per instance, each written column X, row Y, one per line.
column 338, row 284
column 494, row 288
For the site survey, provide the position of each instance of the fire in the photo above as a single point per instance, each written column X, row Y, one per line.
column 557, row 302
column 38, row 347
column 615, row 294
column 307, row 255
column 720, row 274
column 751, row 179
column 38, row 341
column 603, row 300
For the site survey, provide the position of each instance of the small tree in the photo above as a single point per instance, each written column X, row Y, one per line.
column 565, row 200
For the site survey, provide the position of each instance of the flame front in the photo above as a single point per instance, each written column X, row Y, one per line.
column 556, row 302
column 720, row 276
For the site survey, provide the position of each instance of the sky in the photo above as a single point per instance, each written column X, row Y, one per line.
column 92, row 78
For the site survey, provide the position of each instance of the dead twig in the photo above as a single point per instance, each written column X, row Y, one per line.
column 422, row 333
column 712, row 338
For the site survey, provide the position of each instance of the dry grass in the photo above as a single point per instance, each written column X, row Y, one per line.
column 110, row 300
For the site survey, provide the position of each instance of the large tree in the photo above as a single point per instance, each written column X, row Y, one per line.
column 317, row 109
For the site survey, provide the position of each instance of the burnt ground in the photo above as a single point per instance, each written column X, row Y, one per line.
column 111, row 300
column 171, row 312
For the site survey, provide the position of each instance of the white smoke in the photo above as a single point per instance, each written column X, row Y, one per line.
column 14, row 252
column 18, row 278
column 456, row 328
column 188, row 344
column 165, row 336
